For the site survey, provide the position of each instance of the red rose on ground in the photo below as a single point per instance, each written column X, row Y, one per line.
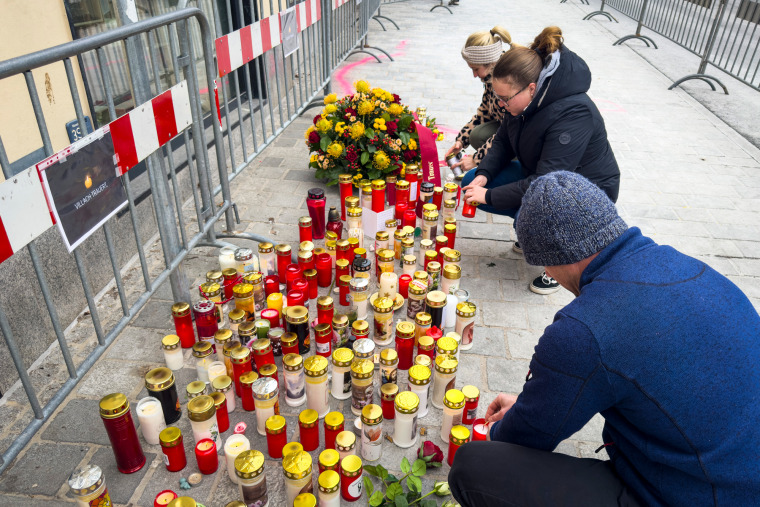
column 313, row 137
column 431, row 454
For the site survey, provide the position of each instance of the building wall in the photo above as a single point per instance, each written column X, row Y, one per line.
column 27, row 26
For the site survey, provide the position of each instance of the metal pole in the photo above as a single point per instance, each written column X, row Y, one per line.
column 159, row 184
column 712, row 38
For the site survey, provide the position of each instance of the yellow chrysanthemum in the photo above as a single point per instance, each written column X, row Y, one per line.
column 358, row 177
column 313, row 158
column 335, row 149
column 365, row 107
column 324, row 125
column 436, row 131
column 412, row 144
column 308, row 131
column 340, row 127
column 329, row 99
column 379, row 124
column 357, row 130
column 381, row 160
column 440, row 137
column 389, row 96
column 330, row 108
column 378, row 92
column 362, row 86
column 395, row 109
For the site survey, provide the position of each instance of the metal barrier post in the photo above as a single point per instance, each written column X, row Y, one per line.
column 600, row 12
column 638, row 35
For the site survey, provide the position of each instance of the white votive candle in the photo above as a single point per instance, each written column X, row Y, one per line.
column 216, row 369
column 450, row 311
column 151, row 418
column 234, row 445
column 388, row 285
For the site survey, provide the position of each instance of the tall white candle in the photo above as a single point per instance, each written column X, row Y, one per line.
column 450, row 311
column 388, row 285
column 216, row 369
column 234, row 445
column 151, row 418
column 227, row 258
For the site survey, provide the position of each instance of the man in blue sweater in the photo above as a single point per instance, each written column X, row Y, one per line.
column 662, row 346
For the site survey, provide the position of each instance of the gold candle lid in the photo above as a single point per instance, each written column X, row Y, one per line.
column 344, row 178
column 421, row 276
column 450, row 227
column 418, row 287
column 419, row 375
column 308, row 418
column 113, row 405
column 425, row 342
column 372, row 414
column 334, row 420
column 340, row 321
column 315, row 366
column 414, row 168
column 329, row 480
column 446, row 345
column 363, row 369
column 283, row 249
column 268, row 370
column 182, row 501
column 383, row 305
column 354, row 211
column 329, row 458
column 304, row 222
column 459, row 435
column 454, row 399
column 275, row 424
column 222, row 383
column 405, row 329
column 360, row 327
column 229, row 347
column 352, row 464
column 407, row 402
column 170, row 342
column 219, row 398
column 402, row 185
column 292, row 362
column 180, row 309
column 247, row 329
column 291, row 447
column 195, row 388
column 264, row 388
column 471, row 393
column 288, row 339
column 466, row 309
column 386, row 255
column 305, row 246
column 446, row 364
column 351, row 201
column 262, row 345
column 297, row 315
column 159, row 379
column 323, row 329
column 345, row 440
column 434, row 267
column 305, row 255
column 449, row 203
column 201, row 408
column 249, row 464
column 399, row 235
column 388, row 357
column 430, row 216
column 210, row 289
column 202, row 349
column 378, row 185
column 423, row 319
column 222, row 336
column 325, row 303
column 305, row 500
column 240, row 355
column 423, row 360
column 170, row 437
column 452, row 272
column 249, row 377
column 410, row 260
column 452, row 255
column 266, row 247
column 436, row 299
column 342, row 357
column 242, row 290
column 388, row 391
column 382, row 236
column 297, row 465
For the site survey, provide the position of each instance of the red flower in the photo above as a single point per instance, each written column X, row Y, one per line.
column 351, row 155
column 317, row 118
column 431, row 454
column 313, row 137
column 349, row 112
column 409, row 155
column 396, row 99
column 391, row 127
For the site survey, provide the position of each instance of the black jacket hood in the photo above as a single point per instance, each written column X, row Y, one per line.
column 571, row 78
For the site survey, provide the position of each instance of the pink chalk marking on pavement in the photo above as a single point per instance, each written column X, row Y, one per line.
column 342, row 81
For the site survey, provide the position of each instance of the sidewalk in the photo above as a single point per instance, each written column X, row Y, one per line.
column 688, row 180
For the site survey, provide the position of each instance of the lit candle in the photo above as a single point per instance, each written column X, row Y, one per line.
column 205, row 455
column 403, row 285
column 216, row 369
column 274, row 300
column 479, row 430
column 234, row 445
column 164, row 498
column 388, row 285
column 151, row 418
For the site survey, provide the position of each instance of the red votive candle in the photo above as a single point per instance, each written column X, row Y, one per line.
column 435, row 333
column 402, row 191
column 343, row 285
column 324, row 270
column 353, row 244
column 283, row 260
column 346, row 190
column 438, row 197
column 296, row 298
column 308, row 429
column 400, row 208
column 388, row 394
column 277, row 435
column 350, row 472
column 342, row 250
column 183, row 324
column 272, row 315
column 458, row 437
column 441, row 242
column 231, row 278
column 205, row 319
column 390, row 190
column 292, row 272
column 304, row 229
column 240, row 357
column 450, row 231
column 405, row 344
column 325, row 310
column 271, row 284
column 410, row 218
column 333, row 425
column 413, row 176
column 306, row 260
column 323, row 338
column 311, row 279
column 246, row 390
column 403, row 285
column 172, row 446
column 262, row 353
column 222, row 416
column 205, row 454
column 468, row 210
column 378, row 196
column 163, row 498
column 301, row 284
column 479, row 430
column 341, row 268
column 471, row 399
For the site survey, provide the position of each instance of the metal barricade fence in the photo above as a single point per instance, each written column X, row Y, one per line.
column 723, row 33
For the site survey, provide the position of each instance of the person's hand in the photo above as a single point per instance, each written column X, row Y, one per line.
column 477, row 181
column 455, row 148
column 475, row 194
column 499, row 407
column 465, row 164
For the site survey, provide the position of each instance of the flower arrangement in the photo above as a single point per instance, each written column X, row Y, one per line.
column 369, row 135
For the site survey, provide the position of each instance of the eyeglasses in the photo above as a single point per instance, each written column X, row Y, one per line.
column 506, row 100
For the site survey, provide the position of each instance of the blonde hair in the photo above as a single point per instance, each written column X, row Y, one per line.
column 522, row 65
column 486, row 38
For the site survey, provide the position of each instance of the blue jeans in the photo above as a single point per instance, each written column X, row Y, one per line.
column 509, row 174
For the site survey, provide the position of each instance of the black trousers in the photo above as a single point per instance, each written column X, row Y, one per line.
column 501, row 474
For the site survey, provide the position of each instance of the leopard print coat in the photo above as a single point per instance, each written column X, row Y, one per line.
column 489, row 110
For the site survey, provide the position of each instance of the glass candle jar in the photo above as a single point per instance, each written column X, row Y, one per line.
column 202, row 414
column 289, row 342
column 382, row 239
column 458, row 436
column 304, row 229
column 329, row 489
column 317, row 399
column 222, row 415
column 429, row 224
column 244, row 300
column 345, row 182
column 241, row 363
column 452, row 257
column 359, row 292
column 383, row 313
column 262, row 352
column 388, row 285
column 449, row 208
column 453, row 407
column 306, row 260
column 426, row 347
column 227, row 351
column 205, row 319
column 434, row 274
column 296, row 467
column 267, row 260
column 251, row 479
column 419, row 384
column 446, row 345
column 351, row 478
column 213, row 292
column 366, row 194
column 221, row 338
column 183, row 324
column 308, row 429
column 388, row 394
column 295, row 383
column 390, row 189
column 266, row 398
column 272, row 316
column 203, row 358
column 236, row 318
column 160, row 384
column 151, row 419
column 334, row 422
column 216, row 369
column 465, row 324
column 471, row 398
column 388, row 366
column 407, row 407
column 223, row 384
column 315, row 203
column 423, row 321
column 402, row 191
column 88, row 486
column 246, row 261
column 340, row 331
column 398, row 235
column 342, row 252
column 277, row 435
column 275, row 338
column 405, row 344
column 378, row 196
column 170, row 344
column 344, row 284
column 292, row 273
column 423, row 360
column 372, row 432
column 173, row 449
column 234, row 446
column 385, row 262
column 403, row 285
column 341, row 373
column 329, row 459
column 256, row 279
column 435, row 301
column 269, row 370
column 227, row 258
column 325, row 310
column 297, row 318
column 450, row 231
column 360, row 331
column 429, row 256
column 323, row 339
column 416, row 301
column 230, row 278
column 283, row 253
column 354, row 226
column 324, row 270
column 409, row 264
column 444, row 379
column 195, row 389
column 345, row 444
column 342, row 268
column 362, row 385
column 452, row 274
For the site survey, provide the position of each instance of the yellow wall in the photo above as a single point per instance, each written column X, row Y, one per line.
column 27, row 26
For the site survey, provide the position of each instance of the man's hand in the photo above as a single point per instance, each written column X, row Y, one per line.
column 465, row 164
column 478, row 181
column 499, row 407
column 475, row 194
column 455, row 148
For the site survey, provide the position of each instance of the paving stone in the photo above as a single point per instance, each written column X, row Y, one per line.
column 522, row 342
column 109, row 376
column 121, row 490
column 506, row 375
column 506, row 314
column 20, row 501
column 42, row 469
column 488, row 341
column 139, row 344
column 79, row 422
column 156, row 314
column 498, row 269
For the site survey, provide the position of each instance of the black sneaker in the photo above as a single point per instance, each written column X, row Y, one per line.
column 517, row 248
column 544, row 285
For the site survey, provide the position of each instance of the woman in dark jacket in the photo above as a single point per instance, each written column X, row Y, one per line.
column 552, row 125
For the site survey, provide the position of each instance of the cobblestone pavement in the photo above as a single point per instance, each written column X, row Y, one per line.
column 688, row 181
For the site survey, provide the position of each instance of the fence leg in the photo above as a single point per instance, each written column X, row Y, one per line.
column 637, row 35
column 600, row 12
column 377, row 17
column 441, row 6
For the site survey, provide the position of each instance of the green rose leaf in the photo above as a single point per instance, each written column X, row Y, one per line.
column 400, row 501
column 391, row 478
column 324, row 143
column 419, row 467
column 405, row 466
column 377, row 499
column 428, row 502
column 393, row 491
column 369, row 133
column 368, row 488
column 414, row 483
column 364, row 159
column 405, row 121
column 381, row 472
column 385, row 116
column 371, row 149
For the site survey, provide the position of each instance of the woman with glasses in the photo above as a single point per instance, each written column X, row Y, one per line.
column 481, row 52
column 552, row 125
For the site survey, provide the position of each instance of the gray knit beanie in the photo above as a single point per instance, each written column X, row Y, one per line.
column 564, row 218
